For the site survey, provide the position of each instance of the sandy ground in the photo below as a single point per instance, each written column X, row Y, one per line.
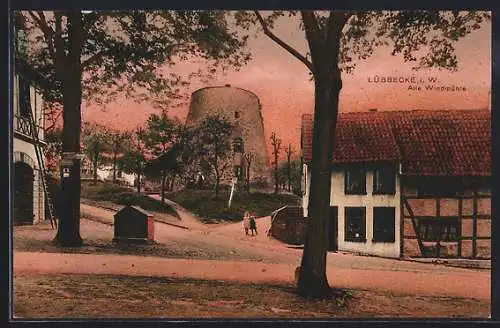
column 276, row 261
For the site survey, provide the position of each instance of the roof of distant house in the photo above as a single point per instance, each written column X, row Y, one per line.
column 425, row 142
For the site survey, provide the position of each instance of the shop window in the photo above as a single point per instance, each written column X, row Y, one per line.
column 384, row 224
column 355, row 224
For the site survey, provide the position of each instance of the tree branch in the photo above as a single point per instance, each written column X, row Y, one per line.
column 48, row 32
column 313, row 32
column 54, row 121
column 280, row 42
column 335, row 25
column 60, row 55
column 92, row 59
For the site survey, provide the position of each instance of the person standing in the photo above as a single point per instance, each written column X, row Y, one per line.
column 253, row 225
column 246, row 222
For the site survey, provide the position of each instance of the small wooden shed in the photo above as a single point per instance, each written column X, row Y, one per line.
column 133, row 224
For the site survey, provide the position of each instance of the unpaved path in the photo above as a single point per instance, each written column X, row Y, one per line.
column 230, row 238
column 464, row 284
column 344, row 270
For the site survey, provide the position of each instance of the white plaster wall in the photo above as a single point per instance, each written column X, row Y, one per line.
column 38, row 195
column 28, row 148
column 369, row 201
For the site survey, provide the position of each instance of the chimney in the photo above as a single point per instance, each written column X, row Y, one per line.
column 372, row 110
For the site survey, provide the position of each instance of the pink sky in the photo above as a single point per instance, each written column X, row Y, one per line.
column 283, row 86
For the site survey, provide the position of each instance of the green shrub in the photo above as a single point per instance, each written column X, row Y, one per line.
column 124, row 196
column 202, row 203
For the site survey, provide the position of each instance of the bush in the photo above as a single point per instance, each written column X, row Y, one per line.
column 259, row 183
column 124, row 196
column 202, row 203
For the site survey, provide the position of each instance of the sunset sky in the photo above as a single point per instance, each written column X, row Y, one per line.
column 282, row 84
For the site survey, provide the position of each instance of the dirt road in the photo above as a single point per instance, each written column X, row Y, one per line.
column 464, row 284
column 278, row 262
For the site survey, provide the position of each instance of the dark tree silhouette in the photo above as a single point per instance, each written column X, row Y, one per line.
column 98, row 55
column 276, row 144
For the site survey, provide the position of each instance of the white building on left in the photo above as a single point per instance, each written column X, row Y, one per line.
column 28, row 194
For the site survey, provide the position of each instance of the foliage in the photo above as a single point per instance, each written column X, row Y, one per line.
column 213, row 146
column 124, row 196
column 204, row 205
column 131, row 52
column 161, row 137
column 134, row 159
column 120, row 142
column 160, row 133
column 276, row 144
column 52, row 152
column 424, row 38
column 249, row 158
column 96, row 140
column 295, row 174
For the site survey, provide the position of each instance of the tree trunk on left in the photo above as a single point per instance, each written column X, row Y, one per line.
column 70, row 74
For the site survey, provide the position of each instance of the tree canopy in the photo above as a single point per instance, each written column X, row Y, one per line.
column 131, row 52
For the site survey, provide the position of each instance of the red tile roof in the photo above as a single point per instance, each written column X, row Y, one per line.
column 454, row 142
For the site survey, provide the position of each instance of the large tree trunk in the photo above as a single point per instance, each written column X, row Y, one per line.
column 312, row 277
column 68, row 233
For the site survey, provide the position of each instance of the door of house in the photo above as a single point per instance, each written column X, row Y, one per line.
column 332, row 229
column 23, row 193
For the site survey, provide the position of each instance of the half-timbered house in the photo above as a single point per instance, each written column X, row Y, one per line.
column 408, row 183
